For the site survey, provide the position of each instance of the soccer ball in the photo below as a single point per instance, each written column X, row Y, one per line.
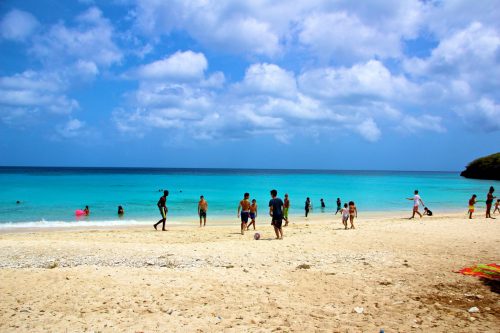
column 256, row 236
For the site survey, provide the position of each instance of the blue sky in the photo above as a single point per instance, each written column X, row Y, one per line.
column 394, row 85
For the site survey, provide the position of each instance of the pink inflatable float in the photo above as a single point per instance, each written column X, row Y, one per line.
column 79, row 212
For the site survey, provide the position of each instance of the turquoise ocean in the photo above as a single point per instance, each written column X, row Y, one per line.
column 50, row 196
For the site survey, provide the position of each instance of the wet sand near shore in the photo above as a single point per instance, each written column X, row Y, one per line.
column 390, row 273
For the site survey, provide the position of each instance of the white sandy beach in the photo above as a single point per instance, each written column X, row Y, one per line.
column 401, row 273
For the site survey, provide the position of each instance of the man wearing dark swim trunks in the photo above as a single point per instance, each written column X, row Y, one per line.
column 162, row 205
column 202, row 210
column 244, row 207
column 276, row 213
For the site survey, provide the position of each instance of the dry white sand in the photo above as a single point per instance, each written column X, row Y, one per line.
column 400, row 272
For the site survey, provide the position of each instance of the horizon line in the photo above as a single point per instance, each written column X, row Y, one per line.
column 214, row 168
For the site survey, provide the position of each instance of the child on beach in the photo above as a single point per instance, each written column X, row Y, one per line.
column 353, row 212
column 253, row 214
column 345, row 215
column 244, row 207
column 497, row 206
column 202, row 210
column 472, row 202
column 427, row 211
column 286, row 206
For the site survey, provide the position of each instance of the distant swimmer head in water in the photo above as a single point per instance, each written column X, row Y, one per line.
column 18, row 202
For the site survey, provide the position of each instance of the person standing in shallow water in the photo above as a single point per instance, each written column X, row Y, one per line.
column 162, row 205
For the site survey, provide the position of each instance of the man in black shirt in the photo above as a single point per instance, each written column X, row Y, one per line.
column 276, row 213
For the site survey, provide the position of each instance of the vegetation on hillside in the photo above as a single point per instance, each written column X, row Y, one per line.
column 487, row 167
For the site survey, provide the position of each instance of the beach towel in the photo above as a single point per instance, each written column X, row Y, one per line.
column 489, row 271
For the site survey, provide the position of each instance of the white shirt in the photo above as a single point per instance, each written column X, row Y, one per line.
column 416, row 199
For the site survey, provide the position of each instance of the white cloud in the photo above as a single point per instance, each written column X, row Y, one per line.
column 371, row 79
column 186, row 65
column 91, row 40
column 444, row 18
column 215, row 24
column 462, row 74
column 481, row 115
column 411, row 124
column 71, row 129
column 268, row 79
column 369, row 130
column 269, row 28
column 30, row 93
column 344, row 37
column 18, row 25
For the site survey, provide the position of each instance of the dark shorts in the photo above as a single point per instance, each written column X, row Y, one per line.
column 203, row 213
column 277, row 221
column 244, row 217
column 252, row 216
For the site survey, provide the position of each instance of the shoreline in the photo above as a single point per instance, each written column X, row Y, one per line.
column 217, row 221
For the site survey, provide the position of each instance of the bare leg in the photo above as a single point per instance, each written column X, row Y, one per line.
column 276, row 231
column 352, row 222
column 204, row 221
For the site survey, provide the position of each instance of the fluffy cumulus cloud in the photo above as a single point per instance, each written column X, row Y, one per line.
column 343, row 30
column 365, row 80
column 17, row 25
column 30, row 94
column 268, row 79
column 341, row 67
column 463, row 73
column 178, row 66
column 65, row 55
column 90, row 40
column 217, row 24
column 174, row 93
column 73, row 128
column 481, row 115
